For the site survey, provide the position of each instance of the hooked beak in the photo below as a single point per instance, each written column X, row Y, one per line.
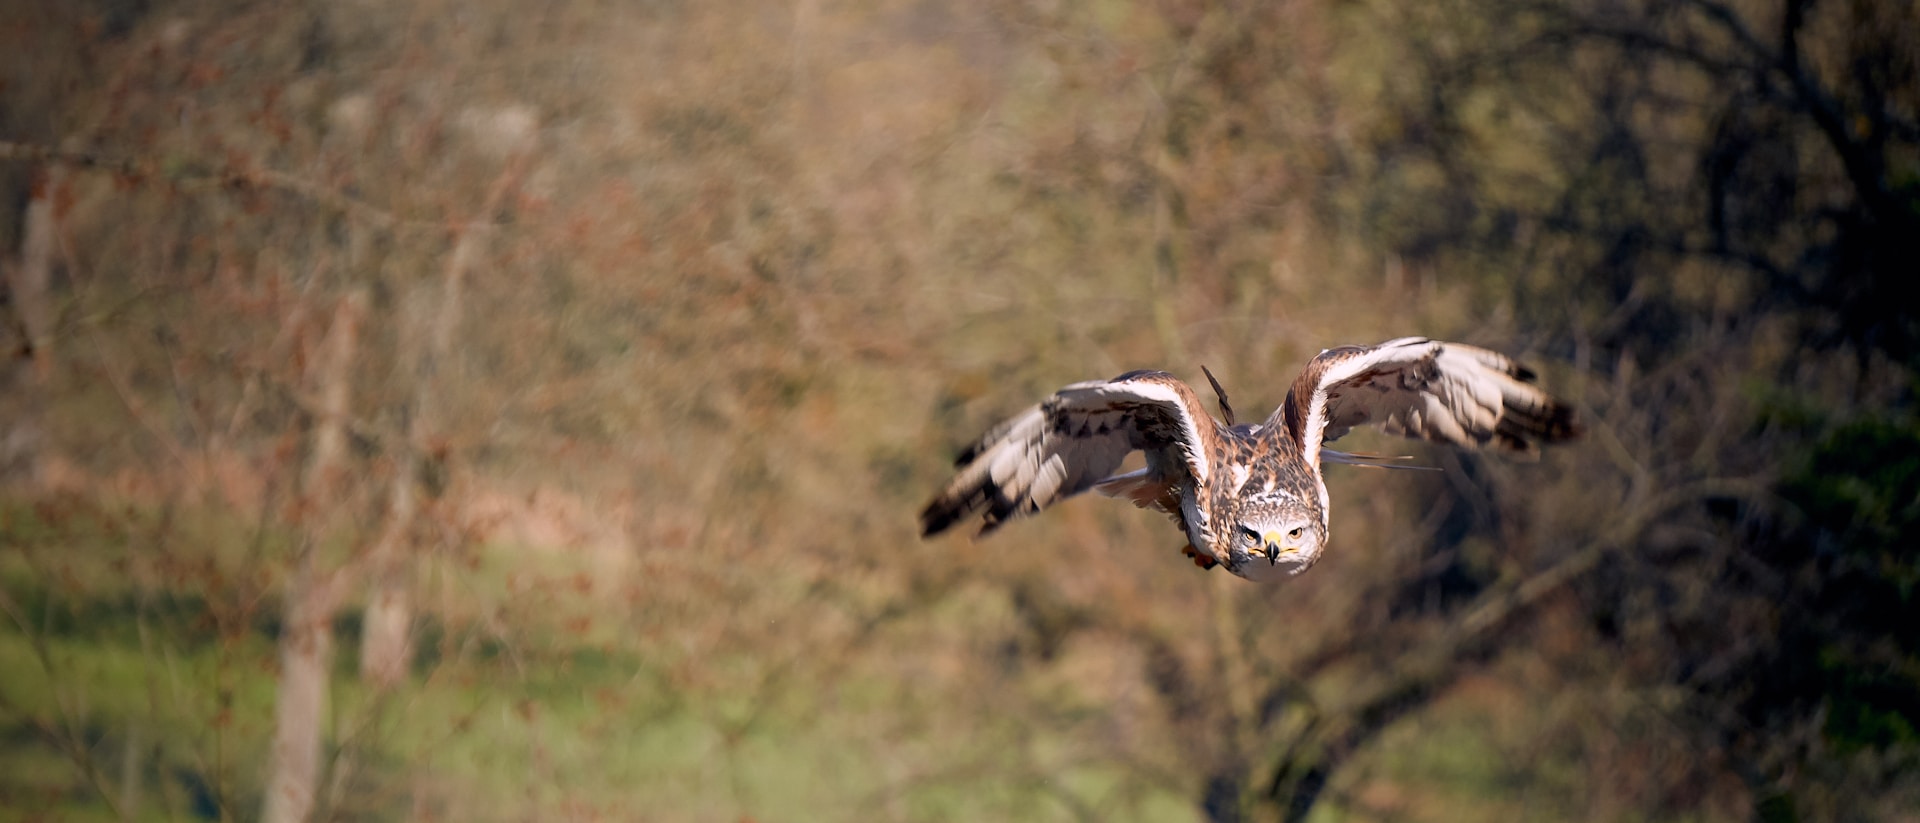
column 1276, row 546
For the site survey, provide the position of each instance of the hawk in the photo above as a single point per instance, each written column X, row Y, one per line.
column 1249, row 497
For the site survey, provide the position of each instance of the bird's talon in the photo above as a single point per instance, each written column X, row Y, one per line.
column 1200, row 558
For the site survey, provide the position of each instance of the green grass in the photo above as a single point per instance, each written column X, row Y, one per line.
column 518, row 708
column 543, row 690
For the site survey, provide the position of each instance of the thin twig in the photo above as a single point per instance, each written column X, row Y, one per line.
column 215, row 176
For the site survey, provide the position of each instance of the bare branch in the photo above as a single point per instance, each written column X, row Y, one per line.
column 1472, row 638
column 230, row 178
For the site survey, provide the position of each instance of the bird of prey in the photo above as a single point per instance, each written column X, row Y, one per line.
column 1249, row 497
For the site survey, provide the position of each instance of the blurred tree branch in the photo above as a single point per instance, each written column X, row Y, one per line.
column 1864, row 160
column 1332, row 735
column 215, row 177
column 386, row 649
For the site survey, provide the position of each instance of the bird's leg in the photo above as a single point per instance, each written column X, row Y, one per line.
column 1200, row 558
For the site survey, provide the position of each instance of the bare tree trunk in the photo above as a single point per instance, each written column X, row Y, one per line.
column 29, row 280
column 335, row 373
column 1225, row 798
column 386, row 628
column 306, row 638
column 306, row 644
column 386, row 643
column 33, row 277
column 130, row 769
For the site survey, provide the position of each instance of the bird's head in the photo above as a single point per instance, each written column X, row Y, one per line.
column 1275, row 538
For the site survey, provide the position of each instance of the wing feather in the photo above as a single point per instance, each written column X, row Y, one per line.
column 1074, row 441
column 1415, row 387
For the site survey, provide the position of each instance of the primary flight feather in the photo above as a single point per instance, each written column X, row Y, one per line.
column 1249, row 497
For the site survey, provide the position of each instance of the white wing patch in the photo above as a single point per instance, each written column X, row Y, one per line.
column 1415, row 387
column 1153, row 391
column 1075, row 441
column 1401, row 351
column 1078, row 439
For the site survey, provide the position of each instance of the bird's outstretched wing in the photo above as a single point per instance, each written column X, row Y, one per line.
column 1076, row 440
column 1415, row 387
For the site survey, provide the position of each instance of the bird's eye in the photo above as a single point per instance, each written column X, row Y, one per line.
column 1295, row 534
column 1252, row 534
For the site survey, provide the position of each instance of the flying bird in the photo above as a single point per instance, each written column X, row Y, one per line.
column 1249, row 497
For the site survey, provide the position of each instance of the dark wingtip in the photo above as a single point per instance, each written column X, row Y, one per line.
column 1521, row 431
column 937, row 517
column 1563, row 424
column 963, row 503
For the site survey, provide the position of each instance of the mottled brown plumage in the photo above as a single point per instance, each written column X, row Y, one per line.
column 1249, row 497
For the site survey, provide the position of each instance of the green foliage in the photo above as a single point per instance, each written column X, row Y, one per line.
column 1859, row 492
column 608, row 724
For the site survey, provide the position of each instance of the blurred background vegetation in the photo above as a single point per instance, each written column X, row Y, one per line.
column 516, row 410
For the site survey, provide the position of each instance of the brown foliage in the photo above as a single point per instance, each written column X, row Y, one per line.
column 672, row 312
